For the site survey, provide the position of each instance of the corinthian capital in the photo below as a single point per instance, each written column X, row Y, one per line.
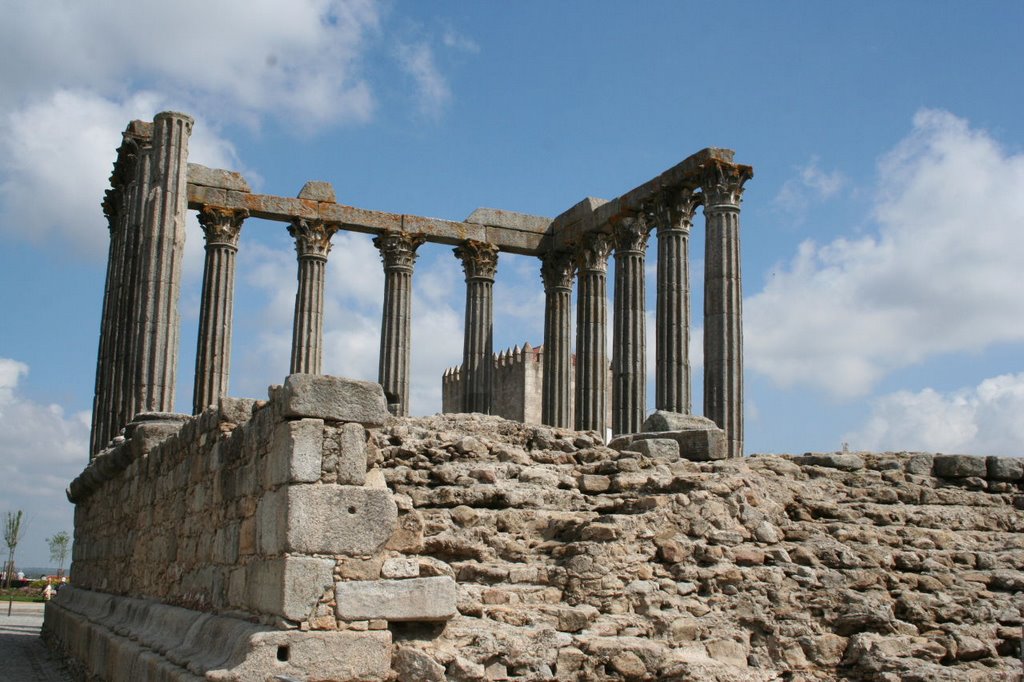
column 557, row 270
column 592, row 253
column 312, row 237
column 479, row 260
column 630, row 233
column 398, row 249
column 723, row 183
column 674, row 209
column 222, row 226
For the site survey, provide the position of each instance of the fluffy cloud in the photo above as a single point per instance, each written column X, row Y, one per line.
column 41, row 449
column 940, row 275
column 811, row 184
column 984, row 419
column 432, row 91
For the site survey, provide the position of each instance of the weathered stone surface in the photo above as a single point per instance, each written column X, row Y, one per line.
column 337, row 519
column 413, row 664
column 333, row 399
column 657, row 448
column 833, row 460
column 351, row 439
column 959, row 466
column 318, row 190
column 415, row 599
column 288, row 586
column 216, row 178
column 296, row 452
column 1005, row 468
column 661, row 420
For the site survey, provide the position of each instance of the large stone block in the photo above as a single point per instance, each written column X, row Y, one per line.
column 296, row 452
column 416, row 599
column 351, row 467
column 1005, row 468
column 338, row 519
column 701, row 445
column 959, row 466
column 318, row 655
column 333, row 399
column 662, row 420
column 288, row 586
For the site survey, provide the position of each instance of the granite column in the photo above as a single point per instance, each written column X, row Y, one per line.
column 221, row 228
column 723, row 301
column 629, row 366
column 162, row 243
column 312, row 244
column 557, row 272
column 592, row 332
column 480, row 263
column 672, row 372
column 398, row 251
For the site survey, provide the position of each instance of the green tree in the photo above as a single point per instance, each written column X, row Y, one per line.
column 59, row 550
column 12, row 533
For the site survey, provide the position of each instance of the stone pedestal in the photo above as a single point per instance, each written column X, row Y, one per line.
column 398, row 251
column 629, row 367
column 672, row 372
column 221, row 228
column 557, row 273
column 312, row 244
column 723, row 302
column 480, row 263
column 592, row 332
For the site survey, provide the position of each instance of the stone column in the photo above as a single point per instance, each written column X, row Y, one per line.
column 221, row 228
column 102, row 404
column 723, row 301
column 672, row 376
column 557, row 272
column 592, row 332
column 398, row 251
column 629, row 366
column 480, row 263
column 312, row 244
column 159, row 277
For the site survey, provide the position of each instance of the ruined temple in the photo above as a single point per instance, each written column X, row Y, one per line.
column 323, row 534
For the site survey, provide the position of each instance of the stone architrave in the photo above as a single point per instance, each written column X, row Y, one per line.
column 557, row 272
column 398, row 252
column 591, row 332
column 162, row 244
column 312, row 244
column 674, row 215
column 221, row 229
column 723, row 300
column 629, row 367
column 480, row 263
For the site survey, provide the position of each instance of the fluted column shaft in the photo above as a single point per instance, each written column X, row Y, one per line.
column 557, row 272
column 723, row 303
column 312, row 244
column 591, row 333
column 672, row 327
column 398, row 252
column 221, row 229
column 102, row 405
column 480, row 263
column 159, row 281
column 629, row 366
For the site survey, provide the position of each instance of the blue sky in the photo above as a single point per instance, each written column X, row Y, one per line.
column 882, row 234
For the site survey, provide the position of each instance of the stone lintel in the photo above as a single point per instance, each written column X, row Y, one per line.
column 217, row 178
column 496, row 217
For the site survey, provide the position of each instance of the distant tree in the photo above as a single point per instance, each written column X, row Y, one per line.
column 59, row 550
column 12, row 533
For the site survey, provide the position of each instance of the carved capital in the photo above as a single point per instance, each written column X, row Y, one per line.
column 479, row 260
column 112, row 205
column 312, row 237
column 222, row 226
column 398, row 249
column 592, row 252
column 630, row 233
column 723, row 183
column 557, row 270
column 674, row 209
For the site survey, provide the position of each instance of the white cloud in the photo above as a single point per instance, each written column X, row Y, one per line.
column 456, row 41
column 432, row 92
column 810, row 185
column 983, row 420
column 941, row 275
column 41, row 449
